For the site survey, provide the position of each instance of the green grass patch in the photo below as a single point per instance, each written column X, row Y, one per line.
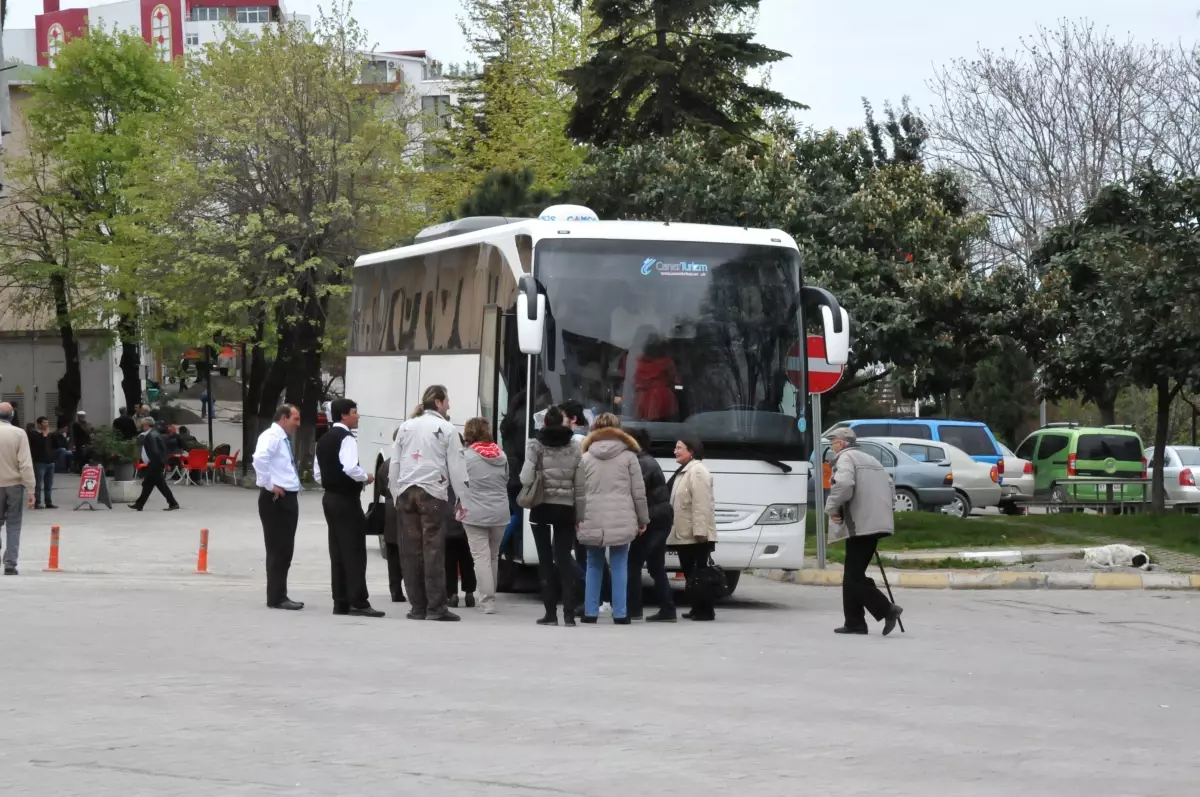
column 930, row 530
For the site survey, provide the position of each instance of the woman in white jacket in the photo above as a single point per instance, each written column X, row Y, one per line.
column 694, row 530
column 419, row 476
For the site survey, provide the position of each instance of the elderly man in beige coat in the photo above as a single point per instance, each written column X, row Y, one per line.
column 16, row 484
column 860, row 508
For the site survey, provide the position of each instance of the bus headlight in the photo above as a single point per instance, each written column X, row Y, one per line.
column 779, row 514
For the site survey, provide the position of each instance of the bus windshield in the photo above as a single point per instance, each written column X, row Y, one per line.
column 680, row 338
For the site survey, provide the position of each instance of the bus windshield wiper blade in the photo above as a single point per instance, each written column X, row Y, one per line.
column 783, row 466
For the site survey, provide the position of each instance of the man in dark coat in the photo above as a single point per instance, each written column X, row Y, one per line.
column 391, row 530
column 154, row 455
column 650, row 547
column 125, row 425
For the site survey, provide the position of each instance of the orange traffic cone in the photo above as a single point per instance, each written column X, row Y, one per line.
column 52, row 567
column 202, row 556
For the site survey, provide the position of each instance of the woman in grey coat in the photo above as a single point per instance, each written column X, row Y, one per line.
column 555, row 453
column 610, row 504
column 480, row 477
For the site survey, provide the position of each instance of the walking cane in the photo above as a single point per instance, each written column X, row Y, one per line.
column 888, row 586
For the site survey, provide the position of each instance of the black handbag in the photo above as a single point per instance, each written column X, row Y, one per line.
column 708, row 582
column 376, row 515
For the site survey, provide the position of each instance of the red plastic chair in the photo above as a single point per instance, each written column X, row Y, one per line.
column 197, row 460
column 225, row 463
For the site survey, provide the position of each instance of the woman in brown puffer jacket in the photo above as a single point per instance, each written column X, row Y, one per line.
column 610, row 505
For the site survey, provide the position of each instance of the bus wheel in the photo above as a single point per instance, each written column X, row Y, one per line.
column 732, row 577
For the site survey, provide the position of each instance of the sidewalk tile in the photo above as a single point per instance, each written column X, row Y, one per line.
column 821, row 578
column 1167, row 581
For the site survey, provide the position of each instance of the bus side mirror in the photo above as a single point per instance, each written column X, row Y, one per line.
column 531, row 317
column 835, row 324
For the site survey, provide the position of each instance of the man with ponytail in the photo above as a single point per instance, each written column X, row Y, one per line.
column 419, row 477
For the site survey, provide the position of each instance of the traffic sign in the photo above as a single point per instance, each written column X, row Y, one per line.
column 821, row 375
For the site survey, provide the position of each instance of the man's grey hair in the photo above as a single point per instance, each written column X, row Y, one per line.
column 147, row 421
column 844, row 433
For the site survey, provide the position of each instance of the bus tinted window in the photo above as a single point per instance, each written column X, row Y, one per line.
column 1122, row 448
column 433, row 302
column 972, row 439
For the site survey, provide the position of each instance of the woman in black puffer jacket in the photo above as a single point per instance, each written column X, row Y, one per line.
column 650, row 548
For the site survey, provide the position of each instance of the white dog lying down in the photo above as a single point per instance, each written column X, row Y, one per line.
column 1107, row 556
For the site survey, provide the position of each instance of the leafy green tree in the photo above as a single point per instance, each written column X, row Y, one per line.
column 505, row 193
column 660, row 67
column 64, row 230
column 283, row 172
column 1134, row 260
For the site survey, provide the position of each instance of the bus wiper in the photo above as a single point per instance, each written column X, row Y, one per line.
column 783, row 466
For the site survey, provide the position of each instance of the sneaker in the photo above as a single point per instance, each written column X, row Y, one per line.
column 488, row 609
column 606, row 608
column 470, row 601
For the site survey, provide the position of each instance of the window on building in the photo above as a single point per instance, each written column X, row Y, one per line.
column 375, row 72
column 193, row 40
column 254, row 14
column 435, row 108
column 209, row 14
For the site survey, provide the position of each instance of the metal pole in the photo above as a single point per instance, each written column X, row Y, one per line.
column 208, row 388
column 818, row 483
column 245, row 415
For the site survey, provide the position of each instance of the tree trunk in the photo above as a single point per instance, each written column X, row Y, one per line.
column 131, row 359
column 256, row 373
column 70, row 386
column 310, row 332
column 1107, row 404
column 1161, row 430
column 669, row 97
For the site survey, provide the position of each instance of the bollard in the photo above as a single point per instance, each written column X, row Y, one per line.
column 202, row 556
column 52, row 567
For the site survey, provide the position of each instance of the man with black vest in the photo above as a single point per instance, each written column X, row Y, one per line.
column 338, row 471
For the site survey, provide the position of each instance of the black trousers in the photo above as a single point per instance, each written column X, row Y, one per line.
column 459, row 562
column 859, row 592
column 347, row 550
column 154, row 476
column 558, row 572
column 395, row 570
column 279, row 517
column 649, row 550
column 691, row 559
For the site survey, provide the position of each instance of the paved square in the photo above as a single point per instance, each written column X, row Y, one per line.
column 129, row 675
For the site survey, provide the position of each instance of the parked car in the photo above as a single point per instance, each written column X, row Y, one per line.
column 1063, row 452
column 973, row 437
column 1016, row 481
column 919, row 485
column 1180, row 472
column 976, row 484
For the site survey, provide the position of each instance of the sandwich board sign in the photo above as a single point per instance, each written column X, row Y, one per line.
column 93, row 488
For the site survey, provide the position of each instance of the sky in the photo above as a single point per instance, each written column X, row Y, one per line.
column 841, row 50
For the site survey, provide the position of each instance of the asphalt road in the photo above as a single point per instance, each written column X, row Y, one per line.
column 132, row 676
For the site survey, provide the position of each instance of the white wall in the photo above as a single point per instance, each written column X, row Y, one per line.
column 126, row 15
column 20, row 44
column 36, row 364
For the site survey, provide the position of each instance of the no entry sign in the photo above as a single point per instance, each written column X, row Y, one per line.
column 821, row 375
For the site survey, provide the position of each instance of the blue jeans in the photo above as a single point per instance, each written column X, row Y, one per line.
column 43, row 478
column 595, row 578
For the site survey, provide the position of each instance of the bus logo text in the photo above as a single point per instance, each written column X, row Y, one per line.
column 682, row 269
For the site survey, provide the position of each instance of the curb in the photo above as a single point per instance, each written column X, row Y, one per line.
column 996, row 579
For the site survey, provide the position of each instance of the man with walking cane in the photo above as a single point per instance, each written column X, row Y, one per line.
column 860, row 509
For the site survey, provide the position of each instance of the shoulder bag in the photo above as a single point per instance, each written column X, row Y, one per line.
column 534, row 493
column 376, row 515
column 708, row 582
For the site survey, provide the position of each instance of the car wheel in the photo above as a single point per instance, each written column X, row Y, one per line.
column 732, row 577
column 906, row 501
column 960, row 507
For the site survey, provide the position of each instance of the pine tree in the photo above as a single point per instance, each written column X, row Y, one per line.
column 662, row 66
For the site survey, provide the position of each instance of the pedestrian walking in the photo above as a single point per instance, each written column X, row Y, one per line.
column 861, row 508
column 337, row 470
column 391, row 529
column 419, row 477
column 278, row 503
column 610, row 503
column 480, row 478
column 650, row 549
column 44, row 454
column 459, row 564
column 694, row 526
column 553, row 457
column 17, row 484
column 154, row 455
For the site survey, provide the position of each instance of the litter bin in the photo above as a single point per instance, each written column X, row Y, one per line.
column 152, row 394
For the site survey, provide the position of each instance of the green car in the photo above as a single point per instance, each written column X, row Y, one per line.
column 1072, row 462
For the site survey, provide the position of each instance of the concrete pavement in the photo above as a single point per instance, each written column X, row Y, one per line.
column 133, row 676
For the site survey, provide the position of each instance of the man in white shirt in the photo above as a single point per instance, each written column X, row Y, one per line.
column 338, row 471
column 278, row 507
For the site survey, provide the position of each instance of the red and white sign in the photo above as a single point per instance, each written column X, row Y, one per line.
column 821, row 375
column 89, row 483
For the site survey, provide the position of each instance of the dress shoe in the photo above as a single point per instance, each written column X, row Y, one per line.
column 661, row 617
column 687, row 615
column 171, row 508
column 415, row 615
column 851, row 629
column 10, row 570
column 470, row 600
column 702, row 618
column 364, row 611
column 37, row 506
column 589, row 620
column 399, row 598
column 444, row 617
column 569, row 620
column 550, row 619
column 622, row 621
column 893, row 617
column 452, row 601
column 134, row 508
column 52, row 506
column 289, row 605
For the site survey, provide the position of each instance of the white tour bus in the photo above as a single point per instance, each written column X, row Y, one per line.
column 682, row 329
